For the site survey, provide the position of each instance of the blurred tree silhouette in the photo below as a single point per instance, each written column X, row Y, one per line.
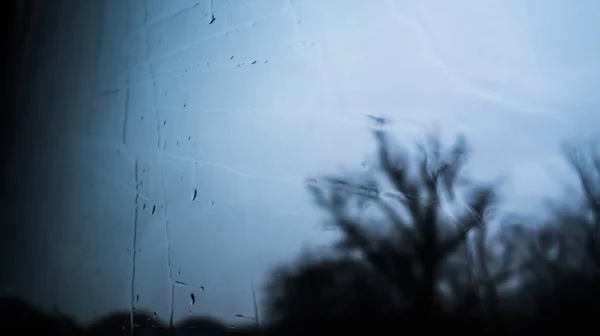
column 400, row 272
column 440, row 260
column 422, row 247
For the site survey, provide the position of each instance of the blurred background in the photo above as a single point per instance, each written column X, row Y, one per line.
column 155, row 151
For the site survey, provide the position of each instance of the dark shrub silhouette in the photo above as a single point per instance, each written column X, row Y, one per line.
column 19, row 318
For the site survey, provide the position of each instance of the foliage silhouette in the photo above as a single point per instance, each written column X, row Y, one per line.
column 439, row 267
column 421, row 247
column 20, row 318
